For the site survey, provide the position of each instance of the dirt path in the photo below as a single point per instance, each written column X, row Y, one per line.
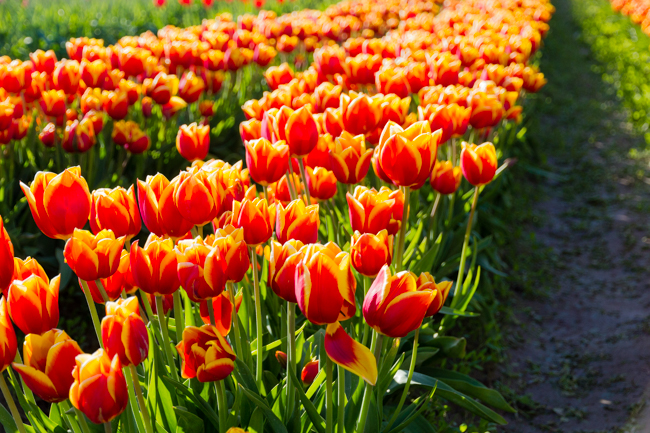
column 580, row 352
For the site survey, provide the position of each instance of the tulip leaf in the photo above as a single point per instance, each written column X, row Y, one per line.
column 256, row 423
column 7, row 420
column 64, row 269
column 425, row 264
column 244, row 376
column 198, row 401
column 451, row 347
column 314, row 416
column 188, row 422
column 411, row 414
column 448, row 393
column 274, row 422
column 454, row 312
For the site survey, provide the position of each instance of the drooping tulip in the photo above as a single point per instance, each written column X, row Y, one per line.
column 154, row 266
column 297, row 221
column 34, row 303
column 92, row 257
column 117, row 210
column 206, row 354
column 478, row 163
column 124, row 333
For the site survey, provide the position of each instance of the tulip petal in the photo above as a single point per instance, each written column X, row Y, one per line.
column 350, row 354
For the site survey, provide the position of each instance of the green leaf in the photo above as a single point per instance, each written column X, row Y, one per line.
column 7, row 421
column 454, row 312
column 256, row 424
column 312, row 412
column 203, row 406
column 274, row 422
column 188, row 422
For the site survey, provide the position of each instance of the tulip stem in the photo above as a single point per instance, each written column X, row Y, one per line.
column 402, row 399
column 375, row 347
column 107, row 427
column 82, row 420
column 235, row 318
column 222, row 403
column 160, row 309
column 340, row 417
column 432, row 228
column 303, row 174
column 199, row 231
column 291, row 356
column 11, row 403
column 93, row 311
column 141, row 401
column 101, row 289
column 128, row 376
column 329, row 401
column 258, row 320
column 458, row 291
column 292, row 187
column 266, row 194
column 213, row 320
column 402, row 230
column 179, row 318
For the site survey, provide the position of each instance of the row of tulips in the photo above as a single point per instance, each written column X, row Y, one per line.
column 637, row 10
column 217, row 245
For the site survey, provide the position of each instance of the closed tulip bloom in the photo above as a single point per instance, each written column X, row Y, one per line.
column 121, row 280
column 281, row 358
column 34, row 303
column 197, row 198
column 59, row 203
column 163, row 88
column 371, row 252
column 309, row 372
column 395, row 304
column 392, row 80
column 44, row 61
column 445, row 178
column 190, row 87
column 8, row 343
column 325, row 285
column 93, row 256
column 206, row 354
column 321, row 183
column 439, row 117
column 66, row 76
column 93, row 73
column 193, row 141
column 297, row 221
column 115, row 210
column 408, row 155
column 116, row 104
column 320, row 155
column 172, row 107
column 124, row 333
column 361, row 113
column 229, row 259
column 158, row 208
column 250, row 130
column 48, row 363
column 350, row 159
column 283, row 261
column 6, row 259
column 350, row 354
column 479, row 163
column 487, row 110
column 191, row 255
column 47, row 135
column 369, row 212
column 53, row 103
column 301, row 133
column 426, row 282
column 266, row 162
column 256, row 217
column 222, row 308
column 327, row 95
column 154, row 266
column 277, row 75
column 99, row 388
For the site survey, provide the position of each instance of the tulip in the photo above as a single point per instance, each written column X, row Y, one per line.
column 52, row 102
column 59, row 203
column 309, row 372
column 487, row 110
column 222, row 310
column 371, row 252
column 426, row 281
column 321, row 183
column 44, row 61
column 48, row 135
column 369, row 211
column 120, row 281
column 66, row 76
column 48, row 363
column 139, row 141
column 392, row 80
column 154, row 266
column 439, row 117
column 445, row 178
column 282, row 358
column 301, row 133
column 327, row 95
column 206, row 108
column 7, row 265
column 350, row 159
column 229, row 260
column 256, row 218
column 206, row 354
column 333, row 122
column 250, row 130
column 124, row 333
column 190, row 87
column 193, row 141
column 282, row 268
column 297, row 221
column 264, row 54
column 172, row 107
column 266, row 162
column 281, row 188
column 325, row 285
column 191, row 255
column 99, row 389
column 116, row 104
column 163, row 88
column 478, row 163
column 115, row 210
column 350, row 354
column 92, row 257
column 396, row 304
column 197, row 198
column 34, row 303
column 93, row 73
column 158, row 209
column 121, row 133
column 278, row 75
column 361, row 114
column 8, row 343
column 320, row 155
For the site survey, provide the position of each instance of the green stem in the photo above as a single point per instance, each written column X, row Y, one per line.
column 329, row 403
column 107, row 427
column 178, row 316
column 340, row 417
column 70, row 421
column 291, row 356
column 375, row 347
column 402, row 230
column 405, row 392
column 199, row 231
column 165, row 337
column 141, row 401
column 301, row 164
column 222, row 402
column 11, row 403
column 458, row 291
column 82, row 420
column 132, row 399
column 292, row 187
column 235, row 321
column 432, row 227
column 78, row 423
column 93, row 312
column 147, row 305
column 258, row 320
column 366, row 329
column 101, row 289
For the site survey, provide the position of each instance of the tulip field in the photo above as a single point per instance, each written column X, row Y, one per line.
column 249, row 217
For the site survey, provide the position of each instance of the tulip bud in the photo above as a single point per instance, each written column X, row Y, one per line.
column 445, row 178
column 193, row 141
column 124, row 333
column 309, row 372
column 147, row 106
column 206, row 354
column 282, row 359
column 48, row 135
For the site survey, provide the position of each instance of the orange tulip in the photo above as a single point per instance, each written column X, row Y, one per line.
column 206, row 354
column 44, row 61
column 301, row 133
column 6, row 259
column 266, row 162
column 93, row 256
column 282, row 268
column 278, row 75
column 479, row 163
column 325, row 285
column 256, row 217
column 396, row 304
column 154, row 266
column 321, row 183
column 191, row 255
column 222, row 308
column 350, row 159
column 309, row 372
column 439, row 117
column 297, row 221
column 229, row 260
column 370, row 252
column 158, row 208
column 48, row 363
column 193, row 141
column 361, row 114
column 116, row 104
column 369, row 211
column 190, row 87
column 281, row 358
column 392, row 80
column 445, row 178
column 172, row 107
column 162, row 88
column 52, row 102
column 320, row 155
column 124, row 333
column 327, row 95
column 115, row 210
column 34, row 303
column 197, row 198
column 66, row 76
column 250, row 130
column 59, row 203
column 8, row 343
column 281, row 187
column 487, row 110
column 350, row 354
column 426, row 282
column 99, row 388
column 121, row 280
